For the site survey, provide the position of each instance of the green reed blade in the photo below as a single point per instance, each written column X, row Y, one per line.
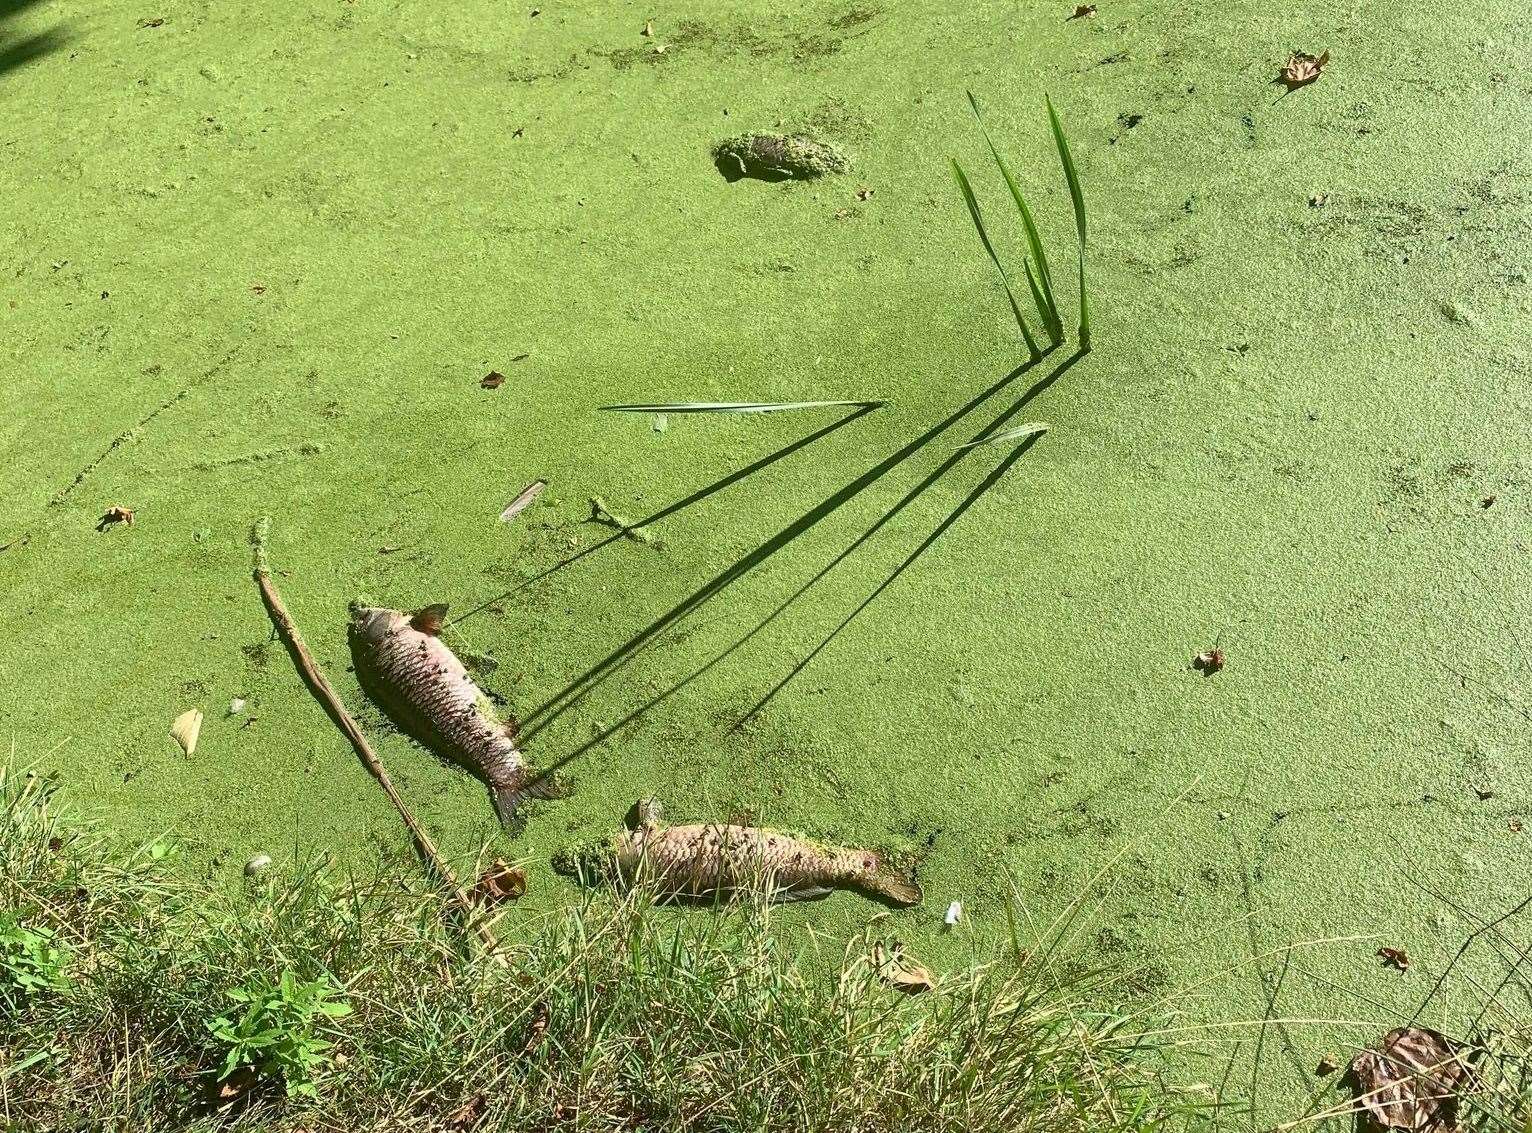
column 978, row 223
column 1079, row 205
column 740, row 406
column 1050, row 314
column 1030, row 429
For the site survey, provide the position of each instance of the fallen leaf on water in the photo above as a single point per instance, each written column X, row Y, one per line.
column 186, row 729
column 527, row 498
column 1329, row 1064
column 842, row 214
column 492, row 380
column 648, row 28
column 258, row 288
column 1484, row 793
column 1081, row 11
column 898, row 971
column 1515, row 825
column 1209, row 661
column 500, row 882
column 157, row 21
column 954, row 913
column 1411, row 1082
column 1301, row 69
column 864, row 193
column 1394, row 958
column 114, row 515
column 1317, row 200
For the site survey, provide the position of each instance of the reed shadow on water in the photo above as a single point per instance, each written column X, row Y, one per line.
column 18, row 53
column 914, row 493
column 583, row 686
column 680, row 505
column 588, row 681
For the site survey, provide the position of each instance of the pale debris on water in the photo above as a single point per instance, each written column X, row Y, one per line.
column 257, row 865
column 236, row 706
column 954, row 912
column 899, row 971
column 527, row 498
column 186, row 729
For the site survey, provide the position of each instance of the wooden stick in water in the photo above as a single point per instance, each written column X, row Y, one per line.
column 327, row 696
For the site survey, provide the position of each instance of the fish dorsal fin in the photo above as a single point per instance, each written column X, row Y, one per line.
column 429, row 619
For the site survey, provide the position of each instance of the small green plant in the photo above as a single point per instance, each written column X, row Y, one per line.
column 1040, row 278
column 30, row 962
column 276, row 1029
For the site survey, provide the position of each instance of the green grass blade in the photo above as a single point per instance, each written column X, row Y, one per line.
column 740, row 406
column 978, row 223
column 1050, row 313
column 1030, row 429
column 1078, row 200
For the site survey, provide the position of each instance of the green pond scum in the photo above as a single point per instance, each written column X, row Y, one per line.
column 258, row 259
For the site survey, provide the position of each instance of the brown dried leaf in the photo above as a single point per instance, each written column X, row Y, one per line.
column 500, row 882
column 492, row 380
column 1329, row 1064
column 114, row 515
column 157, row 21
column 898, row 971
column 864, row 193
column 1394, row 958
column 468, row 1115
column 648, row 29
column 1082, row 11
column 1411, row 1082
column 1301, row 69
column 538, row 1029
column 1209, row 661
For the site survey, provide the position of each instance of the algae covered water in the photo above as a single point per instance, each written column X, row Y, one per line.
column 261, row 258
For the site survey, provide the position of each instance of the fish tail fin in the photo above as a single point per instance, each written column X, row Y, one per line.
column 529, row 784
column 507, row 797
column 893, row 884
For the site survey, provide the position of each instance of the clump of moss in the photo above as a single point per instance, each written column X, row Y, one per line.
column 778, row 157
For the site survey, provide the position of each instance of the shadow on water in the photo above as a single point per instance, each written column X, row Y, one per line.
column 16, row 53
column 587, row 682
column 941, row 470
column 670, row 509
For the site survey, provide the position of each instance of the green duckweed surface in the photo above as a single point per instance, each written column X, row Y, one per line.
column 257, row 258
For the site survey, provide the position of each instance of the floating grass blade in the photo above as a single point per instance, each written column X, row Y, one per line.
column 741, row 406
column 1079, row 203
column 978, row 223
column 1020, row 432
column 1047, row 305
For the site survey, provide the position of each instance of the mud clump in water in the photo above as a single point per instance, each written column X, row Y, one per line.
column 777, row 157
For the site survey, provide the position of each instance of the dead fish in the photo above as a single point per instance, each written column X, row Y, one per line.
column 777, row 157
column 403, row 664
column 711, row 859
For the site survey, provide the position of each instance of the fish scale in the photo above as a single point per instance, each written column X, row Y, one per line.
column 406, row 667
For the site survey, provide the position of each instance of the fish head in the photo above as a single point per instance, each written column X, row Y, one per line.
column 371, row 624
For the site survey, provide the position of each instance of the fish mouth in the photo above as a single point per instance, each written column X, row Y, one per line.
column 369, row 622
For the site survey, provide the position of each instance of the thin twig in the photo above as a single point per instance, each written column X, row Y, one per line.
column 321, row 688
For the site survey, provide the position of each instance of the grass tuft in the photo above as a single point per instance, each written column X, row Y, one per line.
column 310, row 1001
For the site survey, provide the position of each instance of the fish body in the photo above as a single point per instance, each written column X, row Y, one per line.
column 777, row 157
column 403, row 664
column 702, row 860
